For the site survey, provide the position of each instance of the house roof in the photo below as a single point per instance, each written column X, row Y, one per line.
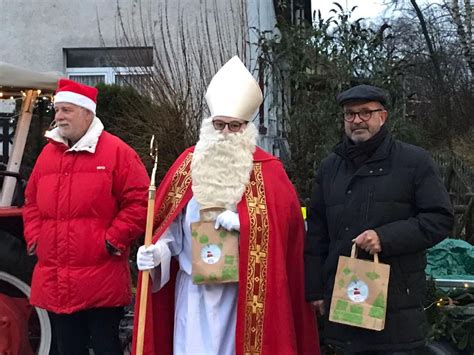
column 14, row 78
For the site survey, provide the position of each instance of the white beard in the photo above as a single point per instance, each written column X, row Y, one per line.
column 221, row 165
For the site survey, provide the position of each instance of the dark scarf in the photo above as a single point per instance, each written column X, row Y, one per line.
column 360, row 153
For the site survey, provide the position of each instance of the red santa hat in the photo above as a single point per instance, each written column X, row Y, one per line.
column 75, row 93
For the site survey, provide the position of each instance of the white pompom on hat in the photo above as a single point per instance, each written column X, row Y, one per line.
column 233, row 92
column 75, row 93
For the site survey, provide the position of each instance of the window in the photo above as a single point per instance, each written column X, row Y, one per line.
column 123, row 66
column 91, row 80
column 109, row 57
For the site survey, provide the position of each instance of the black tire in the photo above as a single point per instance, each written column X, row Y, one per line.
column 13, row 257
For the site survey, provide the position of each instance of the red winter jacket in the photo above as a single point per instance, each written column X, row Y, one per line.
column 75, row 202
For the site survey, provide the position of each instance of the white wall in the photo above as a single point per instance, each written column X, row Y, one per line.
column 35, row 32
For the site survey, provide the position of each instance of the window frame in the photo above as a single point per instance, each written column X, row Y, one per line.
column 109, row 73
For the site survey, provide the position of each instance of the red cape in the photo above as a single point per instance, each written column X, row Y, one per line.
column 272, row 314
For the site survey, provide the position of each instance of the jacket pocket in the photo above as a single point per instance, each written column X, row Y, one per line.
column 408, row 287
column 46, row 243
column 88, row 244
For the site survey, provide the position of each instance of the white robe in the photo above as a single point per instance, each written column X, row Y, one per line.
column 205, row 315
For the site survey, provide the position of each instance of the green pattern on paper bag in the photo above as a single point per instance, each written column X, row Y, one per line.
column 229, row 273
column 348, row 313
column 198, row 278
column 356, row 309
column 378, row 308
column 376, row 312
column 352, row 318
column 212, row 277
column 341, row 283
column 341, row 305
column 229, row 260
column 223, row 234
column 380, row 300
column 194, row 234
column 372, row 275
column 354, row 278
column 348, row 317
column 346, row 271
column 203, row 239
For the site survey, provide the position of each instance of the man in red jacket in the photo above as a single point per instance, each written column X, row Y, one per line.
column 265, row 311
column 85, row 204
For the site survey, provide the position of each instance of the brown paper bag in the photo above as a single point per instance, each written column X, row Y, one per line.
column 360, row 290
column 215, row 253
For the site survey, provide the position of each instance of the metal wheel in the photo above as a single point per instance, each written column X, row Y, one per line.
column 40, row 317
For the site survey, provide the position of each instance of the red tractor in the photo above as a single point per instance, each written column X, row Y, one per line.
column 24, row 329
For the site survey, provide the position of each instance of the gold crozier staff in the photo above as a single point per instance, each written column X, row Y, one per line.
column 148, row 239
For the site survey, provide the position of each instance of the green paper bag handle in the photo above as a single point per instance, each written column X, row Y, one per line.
column 354, row 253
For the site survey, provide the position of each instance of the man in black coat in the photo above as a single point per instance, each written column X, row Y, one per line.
column 387, row 197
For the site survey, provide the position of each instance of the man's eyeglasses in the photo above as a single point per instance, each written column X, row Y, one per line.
column 234, row 126
column 364, row 115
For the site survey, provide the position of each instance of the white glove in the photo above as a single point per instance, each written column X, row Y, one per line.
column 148, row 258
column 228, row 220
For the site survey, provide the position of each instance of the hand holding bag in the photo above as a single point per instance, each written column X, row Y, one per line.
column 215, row 252
column 359, row 296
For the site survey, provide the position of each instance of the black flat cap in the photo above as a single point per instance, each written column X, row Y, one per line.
column 362, row 93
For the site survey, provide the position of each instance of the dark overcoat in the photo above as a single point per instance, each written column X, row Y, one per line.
column 398, row 193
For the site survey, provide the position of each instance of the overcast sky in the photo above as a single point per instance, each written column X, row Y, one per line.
column 365, row 8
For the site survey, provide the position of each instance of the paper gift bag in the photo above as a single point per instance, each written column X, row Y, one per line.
column 215, row 253
column 359, row 296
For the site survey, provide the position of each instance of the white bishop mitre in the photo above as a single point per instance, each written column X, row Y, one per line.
column 233, row 92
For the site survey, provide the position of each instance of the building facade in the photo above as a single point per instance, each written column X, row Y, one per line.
column 124, row 41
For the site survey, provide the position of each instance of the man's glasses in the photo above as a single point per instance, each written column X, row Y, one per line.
column 364, row 115
column 234, row 126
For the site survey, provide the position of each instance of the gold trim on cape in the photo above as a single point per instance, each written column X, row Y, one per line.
column 178, row 187
column 257, row 262
column 258, row 246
